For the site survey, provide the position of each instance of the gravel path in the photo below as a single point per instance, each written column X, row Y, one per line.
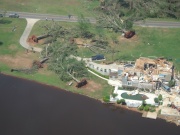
column 24, row 37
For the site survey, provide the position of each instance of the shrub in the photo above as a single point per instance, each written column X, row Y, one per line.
column 114, row 95
column 160, row 97
column 146, row 108
column 152, row 110
column 156, row 100
column 118, row 101
column 106, row 99
column 171, row 83
column 141, row 108
column 121, row 101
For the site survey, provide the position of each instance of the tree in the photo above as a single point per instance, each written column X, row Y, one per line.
column 84, row 26
column 62, row 64
column 113, row 21
column 140, row 9
column 119, row 15
column 156, row 100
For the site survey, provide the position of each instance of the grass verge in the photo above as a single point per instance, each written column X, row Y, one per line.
column 64, row 7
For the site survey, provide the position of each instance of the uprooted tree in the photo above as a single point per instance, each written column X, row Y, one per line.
column 119, row 15
column 61, row 62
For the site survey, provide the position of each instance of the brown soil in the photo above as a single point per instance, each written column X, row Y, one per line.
column 20, row 61
column 92, row 86
column 133, row 39
column 32, row 43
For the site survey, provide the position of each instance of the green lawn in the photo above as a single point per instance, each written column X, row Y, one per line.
column 50, row 78
column 9, row 45
column 159, row 42
column 64, row 7
column 9, row 40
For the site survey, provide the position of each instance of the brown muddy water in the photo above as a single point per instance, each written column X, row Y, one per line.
column 29, row 108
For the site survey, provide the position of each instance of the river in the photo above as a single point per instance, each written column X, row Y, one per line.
column 30, row 108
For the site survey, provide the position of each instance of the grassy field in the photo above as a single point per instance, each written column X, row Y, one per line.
column 9, row 39
column 158, row 42
column 94, row 90
column 64, row 7
column 10, row 51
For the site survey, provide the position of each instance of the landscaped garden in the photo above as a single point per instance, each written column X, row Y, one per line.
column 140, row 97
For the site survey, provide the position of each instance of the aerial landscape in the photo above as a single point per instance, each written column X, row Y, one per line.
column 89, row 67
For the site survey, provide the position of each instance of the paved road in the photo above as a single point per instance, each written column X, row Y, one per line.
column 163, row 24
column 49, row 17
column 92, row 20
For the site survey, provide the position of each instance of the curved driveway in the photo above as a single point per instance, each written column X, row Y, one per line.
column 24, row 37
column 32, row 18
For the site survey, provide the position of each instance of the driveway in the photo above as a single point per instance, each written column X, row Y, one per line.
column 24, row 37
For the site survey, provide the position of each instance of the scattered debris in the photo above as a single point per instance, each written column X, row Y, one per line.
column 35, row 66
column 129, row 34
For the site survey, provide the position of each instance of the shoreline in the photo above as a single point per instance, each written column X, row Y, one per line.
column 99, row 100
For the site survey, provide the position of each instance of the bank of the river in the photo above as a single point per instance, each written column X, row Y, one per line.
column 31, row 108
column 168, row 119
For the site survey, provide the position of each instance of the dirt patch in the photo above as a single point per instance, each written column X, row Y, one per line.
column 92, row 86
column 32, row 43
column 20, row 61
column 133, row 39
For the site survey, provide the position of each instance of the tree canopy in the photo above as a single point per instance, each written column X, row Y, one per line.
column 120, row 14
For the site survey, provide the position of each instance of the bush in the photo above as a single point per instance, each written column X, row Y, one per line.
column 171, row 83
column 118, row 101
column 141, row 108
column 160, row 97
column 146, row 108
column 121, row 101
column 114, row 95
column 156, row 100
column 106, row 99
column 152, row 110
